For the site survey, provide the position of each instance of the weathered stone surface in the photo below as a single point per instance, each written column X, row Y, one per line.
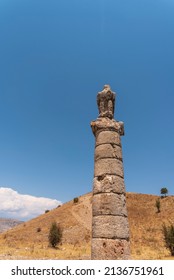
column 108, row 151
column 106, row 102
column 108, row 183
column 108, row 166
column 108, row 137
column 109, row 204
column 106, row 124
column 110, row 249
column 111, row 227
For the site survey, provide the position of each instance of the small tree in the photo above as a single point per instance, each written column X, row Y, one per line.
column 158, row 205
column 169, row 237
column 55, row 235
column 76, row 199
column 164, row 191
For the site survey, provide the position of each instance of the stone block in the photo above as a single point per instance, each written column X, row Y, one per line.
column 108, row 166
column 108, row 226
column 108, row 183
column 109, row 204
column 108, row 151
column 109, row 249
column 108, row 137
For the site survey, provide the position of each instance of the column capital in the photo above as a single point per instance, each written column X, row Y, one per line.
column 107, row 124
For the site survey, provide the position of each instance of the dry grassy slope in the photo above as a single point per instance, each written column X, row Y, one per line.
column 146, row 225
column 75, row 219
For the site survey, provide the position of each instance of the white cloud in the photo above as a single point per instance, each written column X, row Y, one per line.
column 23, row 207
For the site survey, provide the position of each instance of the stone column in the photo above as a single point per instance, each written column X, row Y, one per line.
column 110, row 229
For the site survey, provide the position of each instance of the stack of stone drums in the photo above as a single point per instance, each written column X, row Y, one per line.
column 110, row 229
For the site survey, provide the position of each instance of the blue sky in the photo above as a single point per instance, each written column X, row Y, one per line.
column 54, row 57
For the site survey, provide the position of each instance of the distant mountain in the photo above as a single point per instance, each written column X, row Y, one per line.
column 6, row 224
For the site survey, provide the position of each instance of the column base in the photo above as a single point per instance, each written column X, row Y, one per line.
column 110, row 249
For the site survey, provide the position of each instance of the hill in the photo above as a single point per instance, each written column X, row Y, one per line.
column 30, row 239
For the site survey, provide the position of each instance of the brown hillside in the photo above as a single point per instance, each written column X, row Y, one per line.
column 30, row 239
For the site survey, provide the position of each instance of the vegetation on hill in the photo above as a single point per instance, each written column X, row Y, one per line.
column 169, row 237
column 164, row 192
column 55, row 235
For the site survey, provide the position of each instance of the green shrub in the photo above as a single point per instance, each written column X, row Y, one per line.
column 169, row 237
column 55, row 234
column 46, row 211
column 76, row 199
column 164, row 192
